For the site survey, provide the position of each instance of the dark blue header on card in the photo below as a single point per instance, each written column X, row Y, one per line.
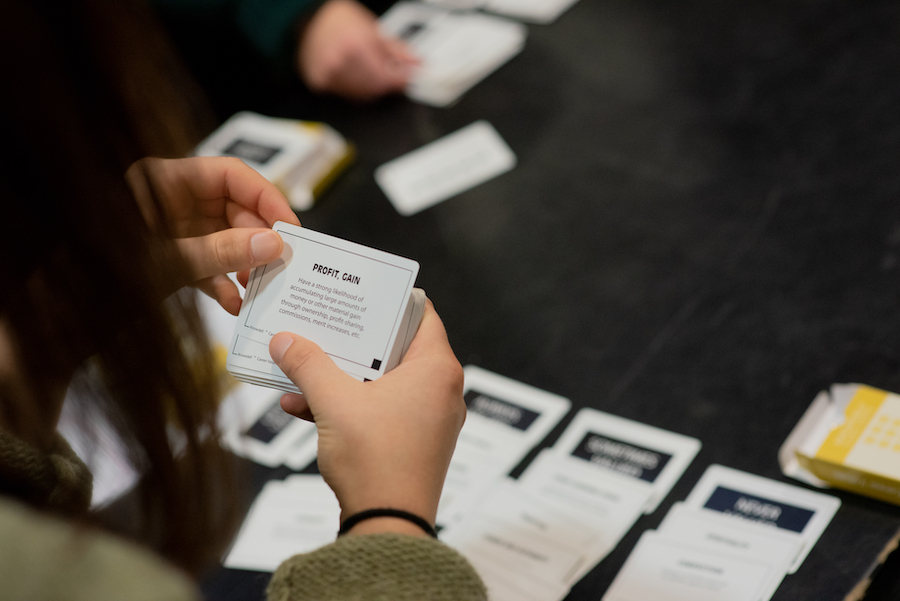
column 500, row 410
column 623, row 457
column 757, row 509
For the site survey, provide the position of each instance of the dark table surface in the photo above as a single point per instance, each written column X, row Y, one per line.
column 702, row 232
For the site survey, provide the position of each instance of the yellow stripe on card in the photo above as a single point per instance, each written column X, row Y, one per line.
column 859, row 413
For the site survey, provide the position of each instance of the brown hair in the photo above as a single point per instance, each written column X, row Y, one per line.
column 90, row 87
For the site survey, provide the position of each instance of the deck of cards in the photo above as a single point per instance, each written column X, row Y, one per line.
column 456, row 50
column 357, row 303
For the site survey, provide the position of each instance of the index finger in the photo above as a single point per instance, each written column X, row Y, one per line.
column 211, row 178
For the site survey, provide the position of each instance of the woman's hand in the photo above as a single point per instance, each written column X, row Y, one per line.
column 220, row 211
column 385, row 443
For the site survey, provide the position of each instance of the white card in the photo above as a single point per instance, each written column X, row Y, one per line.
column 268, row 434
column 721, row 533
column 504, row 421
column 295, row 516
column 664, row 569
column 613, row 499
column 456, row 50
column 730, row 535
column 347, row 298
column 535, row 11
column 564, row 539
column 507, row 546
column 603, row 502
column 790, row 509
column 457, row 4
column 502, row 586
column 651, row 457
column 445, row 168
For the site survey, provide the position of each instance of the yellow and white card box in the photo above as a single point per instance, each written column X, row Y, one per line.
column 300, row 157
column 848, row 438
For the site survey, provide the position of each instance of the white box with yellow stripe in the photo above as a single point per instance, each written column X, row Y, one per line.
column 848, row 438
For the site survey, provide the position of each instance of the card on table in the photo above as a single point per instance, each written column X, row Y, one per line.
column 297, row 515
column 505, row 420
column 535, row 11
column 722, row 533
column 730, row 535
column 660, row 568
column 444, row 168
column 357, row 303
column 790, row 509
column 456, row 49
column 604, row 503
column 269, row 436
column 651, row 457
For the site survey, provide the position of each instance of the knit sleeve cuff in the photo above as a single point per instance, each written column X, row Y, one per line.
column 378, row 567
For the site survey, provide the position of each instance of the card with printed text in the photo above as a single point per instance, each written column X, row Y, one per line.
column 357, row 303
column 505, row 419
column 792, row 510
column 652, row 457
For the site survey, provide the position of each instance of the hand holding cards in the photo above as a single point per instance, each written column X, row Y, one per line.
column 357, row 303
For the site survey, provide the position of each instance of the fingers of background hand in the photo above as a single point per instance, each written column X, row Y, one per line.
column 296, row 405
column 399, row 51
column 221, row 289
column 375, row 70
column 211, row 178
column 308, row 367
column 230, row 250
column 249, row 189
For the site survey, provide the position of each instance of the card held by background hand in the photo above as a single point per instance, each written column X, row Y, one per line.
column 444, row 168
column 357, row 303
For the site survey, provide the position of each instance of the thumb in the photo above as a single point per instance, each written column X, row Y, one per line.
column 307, row 365
column 230, row 250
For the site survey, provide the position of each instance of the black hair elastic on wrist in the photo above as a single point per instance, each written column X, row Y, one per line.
column 356, row 518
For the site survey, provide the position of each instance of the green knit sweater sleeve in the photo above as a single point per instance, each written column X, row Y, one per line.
column 378, row 567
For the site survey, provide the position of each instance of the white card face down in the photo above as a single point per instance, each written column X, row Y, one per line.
column 347, row 298
column 650, row 456
column 536, row 11
column 790, row 509
column 444, row 168
column 664, row 569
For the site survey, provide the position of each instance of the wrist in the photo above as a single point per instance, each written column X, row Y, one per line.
column 377, row 520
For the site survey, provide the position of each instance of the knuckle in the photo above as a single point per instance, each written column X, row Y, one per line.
column 227, row 252
column 297, row 357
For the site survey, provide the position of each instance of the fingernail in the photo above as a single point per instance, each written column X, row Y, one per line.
column 264, row 246
column 279, row 345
